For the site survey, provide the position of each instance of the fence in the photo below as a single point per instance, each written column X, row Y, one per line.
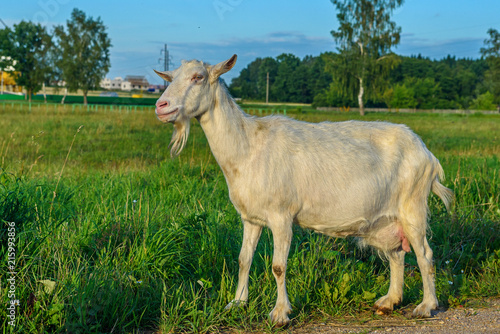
column 57, row 107
column 78, row 99
column 266, row 111
column 404, row 110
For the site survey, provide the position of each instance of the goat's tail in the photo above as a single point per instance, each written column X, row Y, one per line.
column 441, row 191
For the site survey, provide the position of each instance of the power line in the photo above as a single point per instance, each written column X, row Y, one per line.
column 3, row 23
column 166, row 61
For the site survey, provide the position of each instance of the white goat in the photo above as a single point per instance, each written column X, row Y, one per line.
column 369, row 180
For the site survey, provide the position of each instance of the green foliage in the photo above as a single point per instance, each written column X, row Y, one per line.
column 5, row 48
column 448, row 83
column 484, row 102
column 28, row 46
column 83, row 55
column 400, row 96
column 418, row 82
column 440, row 84
column 413, row 93
column 135, row 241
column 333, row 97
column 491, row 52
column 290, row 79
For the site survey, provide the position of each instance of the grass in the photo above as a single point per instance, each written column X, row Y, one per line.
column 114, row 236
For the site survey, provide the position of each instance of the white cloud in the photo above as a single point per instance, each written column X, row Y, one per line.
column 437, row 49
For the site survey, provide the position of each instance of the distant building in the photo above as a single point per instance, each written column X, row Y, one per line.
column 131, row 82
column 116, row 83
column 137, row 81
column 126, row 86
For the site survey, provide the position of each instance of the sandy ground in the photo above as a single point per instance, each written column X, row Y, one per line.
column 481, row 317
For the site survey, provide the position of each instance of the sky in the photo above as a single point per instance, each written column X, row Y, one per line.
column 214, row 30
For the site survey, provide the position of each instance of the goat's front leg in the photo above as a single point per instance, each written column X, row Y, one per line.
column 395, row 295
column 282, row 235
column 251, row 235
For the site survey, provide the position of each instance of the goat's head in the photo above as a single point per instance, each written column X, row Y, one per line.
column 191, row 93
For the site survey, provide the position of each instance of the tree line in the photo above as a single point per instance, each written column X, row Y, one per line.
column 365, row 71
column 414, row 82
column 77, row 53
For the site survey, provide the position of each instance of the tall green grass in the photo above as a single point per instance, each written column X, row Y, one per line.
column 121, row 238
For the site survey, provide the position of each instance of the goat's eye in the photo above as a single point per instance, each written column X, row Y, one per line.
column 197, row 77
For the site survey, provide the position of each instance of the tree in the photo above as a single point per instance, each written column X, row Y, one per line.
column 401, row 96
column 365, row 38
column 28, row 47
column 491, row 52
column 425, row 91
column 290, row 79
column 285, row 87
column 245, row 86
column 84, row 52
column 483, row 102
column 336, row 91
column 5, row 49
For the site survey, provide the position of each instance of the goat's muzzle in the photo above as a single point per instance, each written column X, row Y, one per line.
column 166, row 112
column 168, row 115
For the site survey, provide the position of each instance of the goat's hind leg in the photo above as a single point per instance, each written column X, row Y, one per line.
column 395, row 294
column 251, row 235
column 424, row 259
column 415, row 225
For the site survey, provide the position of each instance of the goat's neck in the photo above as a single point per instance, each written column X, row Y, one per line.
column 225, row 127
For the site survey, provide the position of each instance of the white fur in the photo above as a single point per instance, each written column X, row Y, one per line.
column 369, row 180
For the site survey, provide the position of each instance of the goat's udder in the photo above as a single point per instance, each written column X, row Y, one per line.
column 404, row 241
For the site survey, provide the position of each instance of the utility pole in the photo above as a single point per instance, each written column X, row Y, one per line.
column 267, row 88
column 166, row 61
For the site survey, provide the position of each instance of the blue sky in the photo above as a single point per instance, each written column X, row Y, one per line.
column 213, row 30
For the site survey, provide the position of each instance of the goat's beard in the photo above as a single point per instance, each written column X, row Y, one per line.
column 180, row 135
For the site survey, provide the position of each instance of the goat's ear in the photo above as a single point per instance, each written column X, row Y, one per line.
column 217, row 70
column 167, row 75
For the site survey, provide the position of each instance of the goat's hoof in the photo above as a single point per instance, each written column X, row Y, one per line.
column 384, row 305
column 235, row 303
column 279, row 316
column 281, row 322
column 423, row 310
column 383, row 311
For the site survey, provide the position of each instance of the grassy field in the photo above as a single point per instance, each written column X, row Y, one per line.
column 111, row 235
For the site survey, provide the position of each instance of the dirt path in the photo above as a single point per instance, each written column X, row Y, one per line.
column 480, row 317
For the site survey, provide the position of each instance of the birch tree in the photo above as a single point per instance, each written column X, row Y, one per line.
column 365, row 37
column 491, row 52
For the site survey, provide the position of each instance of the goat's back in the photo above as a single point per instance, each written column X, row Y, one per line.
column 332, row 174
